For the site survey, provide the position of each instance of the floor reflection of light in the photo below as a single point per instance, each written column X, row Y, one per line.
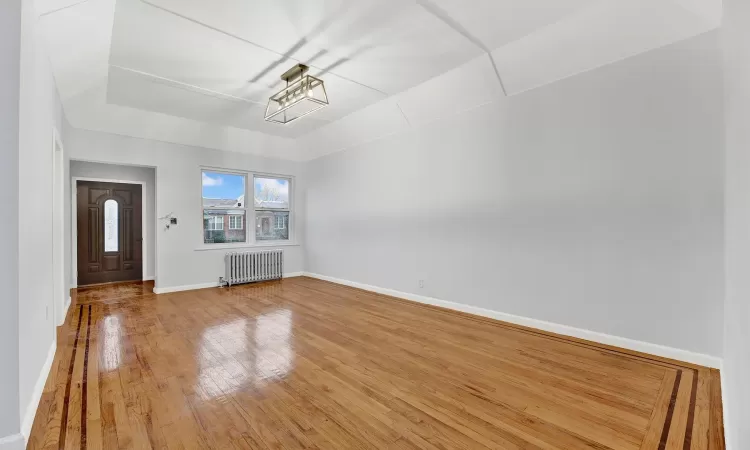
column 231, row 356
column 221, row 346
column 273, row 353
column 112, row 347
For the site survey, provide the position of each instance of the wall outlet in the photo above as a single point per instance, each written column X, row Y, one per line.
column 421, row 283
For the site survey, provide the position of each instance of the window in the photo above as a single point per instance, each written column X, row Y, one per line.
column 281, row 222
column 235, row 222
column 225, row 211
column 272, row 207
column 111, row 224
column 223, row 196
column 215, row 223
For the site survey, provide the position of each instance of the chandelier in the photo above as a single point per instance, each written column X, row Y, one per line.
column 303, row 95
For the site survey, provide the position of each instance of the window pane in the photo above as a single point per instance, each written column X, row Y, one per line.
column 236, row 222
column 110, row 226
column 223, row 190
column 271, row 193
column 272, row 225
column 223, row 225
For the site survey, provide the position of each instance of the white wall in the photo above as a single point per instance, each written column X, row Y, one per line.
column 67, row 223
column 10, row 50
column 40, row 110
column 595, row 202
column 122, row 173
column 736, row 370
column 180, row 260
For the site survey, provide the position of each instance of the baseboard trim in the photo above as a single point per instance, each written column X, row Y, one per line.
column 725, row 409
column 64, row 314
column 148, row 278
column 580, row 333
column 188, row 287
column 36, row 395
column 192, row 287
column 13, row 442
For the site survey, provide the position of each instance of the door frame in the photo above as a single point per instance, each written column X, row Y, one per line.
column 74, row 220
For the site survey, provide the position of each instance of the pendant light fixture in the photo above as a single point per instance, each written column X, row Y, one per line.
column 303, row 94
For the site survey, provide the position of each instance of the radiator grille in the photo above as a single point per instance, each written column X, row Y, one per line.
column 248, row 267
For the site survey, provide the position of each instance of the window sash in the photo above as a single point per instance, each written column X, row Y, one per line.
column 244, row 175
column 288, row 210
column 235, row 222
column 281, row 222
column 215, row 223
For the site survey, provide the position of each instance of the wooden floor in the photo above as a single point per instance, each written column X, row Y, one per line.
column 304, row 363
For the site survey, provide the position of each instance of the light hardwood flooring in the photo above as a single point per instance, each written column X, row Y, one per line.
column 303, row 363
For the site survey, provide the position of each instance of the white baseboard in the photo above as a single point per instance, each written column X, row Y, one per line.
column 64, row 312
column 630, row 344
column 725, row 410
column 191, row 287
column 187, row 287
column 36, row 395
column 149, row 278
column 13, row 442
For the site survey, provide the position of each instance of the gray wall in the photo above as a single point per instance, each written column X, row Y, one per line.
column 736, row 370
column 181, row 258
column 10, row 50
column 40, row 111
column 122, row 173
column 594, row 202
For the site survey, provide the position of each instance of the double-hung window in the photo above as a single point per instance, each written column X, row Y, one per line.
column 215, row 223
column 235, row 222
column 228, row 218
column 272, row 208
column 224, row 209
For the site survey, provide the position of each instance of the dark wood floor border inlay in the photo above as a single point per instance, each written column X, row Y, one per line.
column 691, row 414
column 582, row 344
column 670, row 411
column 66, row 399
column 84, row 384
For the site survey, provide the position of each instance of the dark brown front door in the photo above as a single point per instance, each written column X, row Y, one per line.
column 110, row 235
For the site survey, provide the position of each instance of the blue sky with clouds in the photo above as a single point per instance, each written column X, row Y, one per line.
column 222, row 185
column 228, row 186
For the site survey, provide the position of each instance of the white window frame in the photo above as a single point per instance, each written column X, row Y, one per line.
column 224, row 226
column 250, row 210
column 236, row 226
column 212, row 222
column 277, row 227
column 286, row 210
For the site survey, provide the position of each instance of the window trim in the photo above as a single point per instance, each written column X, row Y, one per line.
column 284, row 221
column 235, row 216
column 250, row 210
column 287, row 210
column 224, row 224
column 213, row 222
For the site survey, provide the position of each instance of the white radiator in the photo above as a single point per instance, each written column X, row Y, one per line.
column 247, row 267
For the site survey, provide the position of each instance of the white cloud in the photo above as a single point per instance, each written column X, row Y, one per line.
column 279, row 187
column 208, row 181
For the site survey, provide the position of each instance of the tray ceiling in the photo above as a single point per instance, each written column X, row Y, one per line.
column 217, row 62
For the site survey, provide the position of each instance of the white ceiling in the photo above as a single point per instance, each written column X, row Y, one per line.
column 212, row 64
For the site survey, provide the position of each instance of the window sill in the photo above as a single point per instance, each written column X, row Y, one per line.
column 241, row 246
